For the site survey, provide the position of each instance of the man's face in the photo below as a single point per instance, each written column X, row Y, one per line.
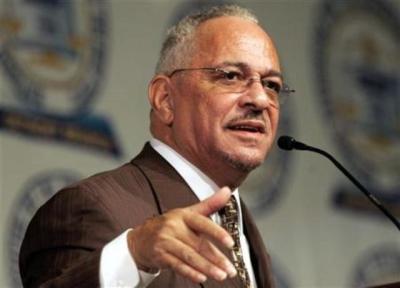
column 220, row 130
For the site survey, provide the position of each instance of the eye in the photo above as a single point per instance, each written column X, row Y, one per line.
column 231, row 75
column 271, row 85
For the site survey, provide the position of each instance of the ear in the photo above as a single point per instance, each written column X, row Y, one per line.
column 161, row 99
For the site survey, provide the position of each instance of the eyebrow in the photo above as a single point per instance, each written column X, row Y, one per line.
column 244, row 66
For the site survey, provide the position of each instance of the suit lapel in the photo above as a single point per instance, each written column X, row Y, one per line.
column 170, row 188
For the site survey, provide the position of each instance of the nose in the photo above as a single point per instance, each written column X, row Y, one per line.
column 255, row 97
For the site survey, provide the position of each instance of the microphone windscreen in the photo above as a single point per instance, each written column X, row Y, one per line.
column 286, row 143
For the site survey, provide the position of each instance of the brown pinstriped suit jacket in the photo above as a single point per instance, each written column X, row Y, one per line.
column 63, row 242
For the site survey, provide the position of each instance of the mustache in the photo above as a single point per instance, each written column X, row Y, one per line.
column 249, row 115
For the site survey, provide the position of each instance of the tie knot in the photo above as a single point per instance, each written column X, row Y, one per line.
column 230, row 209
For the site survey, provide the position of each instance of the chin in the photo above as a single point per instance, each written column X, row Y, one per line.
column 244, row 162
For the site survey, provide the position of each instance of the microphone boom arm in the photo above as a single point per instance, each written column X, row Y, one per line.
column 371, row 197
column 289, row 143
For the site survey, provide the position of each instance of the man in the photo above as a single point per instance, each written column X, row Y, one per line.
column 153, row 222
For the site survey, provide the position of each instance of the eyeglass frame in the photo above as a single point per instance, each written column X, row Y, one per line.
column 283, row 93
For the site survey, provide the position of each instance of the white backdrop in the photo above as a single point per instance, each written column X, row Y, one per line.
column 313, row 243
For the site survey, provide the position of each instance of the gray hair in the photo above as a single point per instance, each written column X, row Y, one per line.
column 179, row 41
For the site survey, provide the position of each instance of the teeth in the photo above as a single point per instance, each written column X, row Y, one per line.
column 247, row 128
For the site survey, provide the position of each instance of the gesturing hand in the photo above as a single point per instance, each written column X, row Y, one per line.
column 183, row 240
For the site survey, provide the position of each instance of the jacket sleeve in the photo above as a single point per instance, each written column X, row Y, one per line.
column 63, row 242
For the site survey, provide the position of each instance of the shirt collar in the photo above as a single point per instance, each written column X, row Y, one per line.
column 201, row 185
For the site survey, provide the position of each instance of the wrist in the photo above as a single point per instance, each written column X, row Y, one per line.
column 133, row 251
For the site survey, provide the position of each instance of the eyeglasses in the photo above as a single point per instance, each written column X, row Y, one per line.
column 235, row 80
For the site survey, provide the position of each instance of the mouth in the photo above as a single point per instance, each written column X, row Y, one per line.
column 248, row 126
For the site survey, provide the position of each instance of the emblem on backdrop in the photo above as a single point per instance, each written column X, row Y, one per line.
column 52, row 55
column 357, row 52
column 380, row 265
column 35, row 192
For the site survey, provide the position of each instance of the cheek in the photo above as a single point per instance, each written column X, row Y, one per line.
column 210, row 109
column 274, row 118
column 208, row 121
column 204, row 112
column 197, row 116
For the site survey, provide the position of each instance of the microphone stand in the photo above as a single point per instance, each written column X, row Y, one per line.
column 288, row 143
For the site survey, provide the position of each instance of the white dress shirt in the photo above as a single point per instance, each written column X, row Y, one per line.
column 117, row 267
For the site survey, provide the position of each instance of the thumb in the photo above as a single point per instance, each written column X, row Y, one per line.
column 213, row 203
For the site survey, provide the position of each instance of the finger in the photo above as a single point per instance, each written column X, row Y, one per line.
column 212, row 253
column 182, row 268
column 204, row 225
column 207, row 249
column 196, row 261
column 214, row 203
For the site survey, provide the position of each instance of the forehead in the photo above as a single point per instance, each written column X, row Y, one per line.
column 233, row 39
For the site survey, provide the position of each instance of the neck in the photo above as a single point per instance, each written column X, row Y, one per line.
column 221, row 172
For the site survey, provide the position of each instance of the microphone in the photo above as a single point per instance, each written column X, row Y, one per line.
column 289, row 143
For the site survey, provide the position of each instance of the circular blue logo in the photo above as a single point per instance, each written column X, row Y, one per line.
column 380, row 265
column 53, row 53
column 357, row 47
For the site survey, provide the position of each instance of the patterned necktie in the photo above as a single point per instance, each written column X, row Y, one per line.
column 230, row 221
